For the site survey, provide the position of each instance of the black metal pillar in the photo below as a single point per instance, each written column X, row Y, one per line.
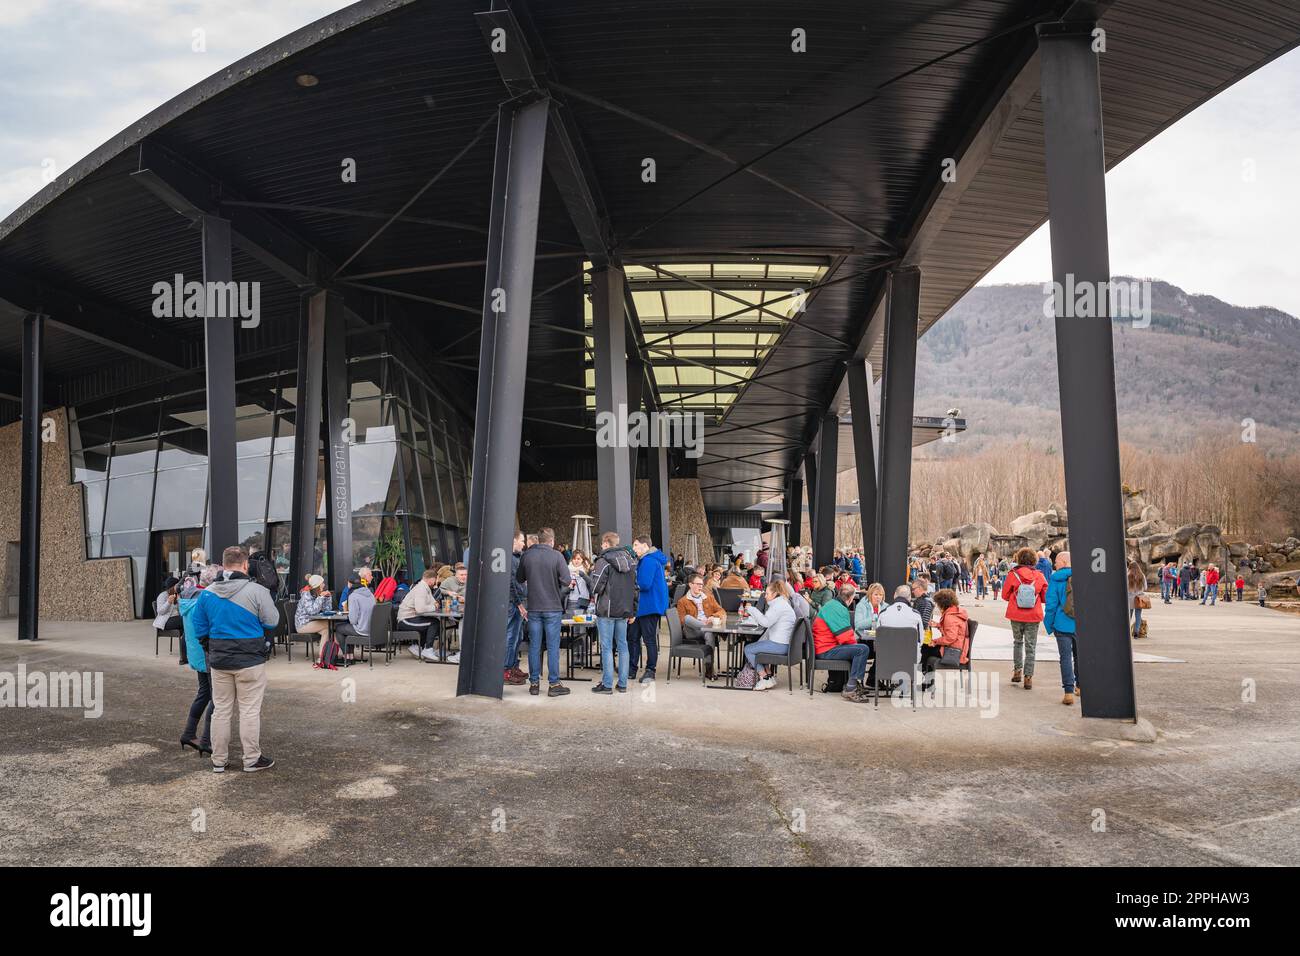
column 864, row 453
column 219, row 366
column 635, row 383
column 29, row 532
column 657, row 461
column 338, row 453
column 609, row 330
column 1076, row 199
column 823, row 522
column 894, row 495
column 810, row 485
column 503, row 364
column 306, row 440
column 794, row 508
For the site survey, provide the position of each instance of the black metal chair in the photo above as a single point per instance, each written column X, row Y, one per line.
column 381, row 633
column 678, row 648
column 897, row 653
column 173, row 634
column 729, row 598
column 288, row 610
column 794, row 654
column 962, row 669
column 816, row 663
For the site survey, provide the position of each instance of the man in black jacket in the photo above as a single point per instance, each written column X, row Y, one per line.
column 547, row 575
column 517, row 617
column 613, row 587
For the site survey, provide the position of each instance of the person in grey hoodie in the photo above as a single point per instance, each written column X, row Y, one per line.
column 361, row 604
column 614, row 590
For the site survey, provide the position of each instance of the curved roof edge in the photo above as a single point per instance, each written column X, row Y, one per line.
column 220, row 82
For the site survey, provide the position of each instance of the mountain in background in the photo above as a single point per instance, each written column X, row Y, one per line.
column 1200, row 368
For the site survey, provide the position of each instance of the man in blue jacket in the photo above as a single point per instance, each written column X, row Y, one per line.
column 1058, row 620
column 652, row 602
column 231, row 621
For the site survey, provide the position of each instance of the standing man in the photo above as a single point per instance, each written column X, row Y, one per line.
column 614, row 591
column 517, row 617
column 546, row 573
column 231, row 620
column 652, row 602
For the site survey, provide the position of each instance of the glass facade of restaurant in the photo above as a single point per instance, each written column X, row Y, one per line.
column 141, row 458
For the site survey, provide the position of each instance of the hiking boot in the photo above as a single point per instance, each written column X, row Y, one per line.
column 513, row 677
column 602, row 689
column 523, row 678
column 1029, row 682
column 1015, row 677
column 263, row 763
column 534, row 688
column 1068, row 700
column 556, row 690
column 1077, row 692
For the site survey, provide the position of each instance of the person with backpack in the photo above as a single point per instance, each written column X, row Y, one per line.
column 262, row 570
column 232, row 620
column 614, row 591
column 834, row 639
column 1024, row 590
column 1137, row 599
column 1058, row 620
column 361, row 605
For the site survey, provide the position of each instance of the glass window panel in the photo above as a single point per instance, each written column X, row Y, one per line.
column 85, row 432
column 188, row 408
column 253, row 436
column 373, row 475
column 280, row 550
column 134, row 545
column 93, row 494
column 419, row 555
column 280, row 505
column 180, row 497
column 93, row 543
column 372, row 421
column 366, row 378
column 135, row 422
column 133, row 458
column 91, row 464
column 184, row 448
column 252, row 535
column 284, row 437
column 366, row 532
column 252, row 474
column 429, row 482
column 128, row 503
column 412, row 482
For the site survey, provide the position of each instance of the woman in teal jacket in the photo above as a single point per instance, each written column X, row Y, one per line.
column 201, row 708
column 1061, row 625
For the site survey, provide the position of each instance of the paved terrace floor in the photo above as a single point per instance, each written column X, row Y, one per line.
column 408, row 774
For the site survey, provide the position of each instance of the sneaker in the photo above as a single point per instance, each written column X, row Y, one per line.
column 556, row 690
column 534, row 688
column 414, row 648
column 621, row 688
column 263, row 763
column 513, row 677
column 767, row 683
column 602, row 689
column 218, row 768
column 453, row 658
column 648, row 677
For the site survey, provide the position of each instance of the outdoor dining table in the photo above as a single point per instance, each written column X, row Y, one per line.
column 736, row 632
column 452, row 619
column 332, row 619
column 580, row 643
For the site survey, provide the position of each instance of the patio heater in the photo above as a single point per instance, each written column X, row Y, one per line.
column 692, row 556
column 582, row 534
column 776, row 550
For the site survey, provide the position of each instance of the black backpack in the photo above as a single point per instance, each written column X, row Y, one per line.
column 835, row 682
column 263, row 572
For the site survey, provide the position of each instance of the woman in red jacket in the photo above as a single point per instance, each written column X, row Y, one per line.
column 1024, row 590
column 950, row 641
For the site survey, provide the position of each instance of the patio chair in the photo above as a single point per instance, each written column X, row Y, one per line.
column 173, row 634
column 794, row 655
column 816, row 663
column 897, row 652
column 729, row 598
column 963, row 669
column 288, row 610
column 678, row 648
column 381, row 633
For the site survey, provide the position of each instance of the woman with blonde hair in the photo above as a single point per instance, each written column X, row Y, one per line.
column 779, row 622
column 867, row 612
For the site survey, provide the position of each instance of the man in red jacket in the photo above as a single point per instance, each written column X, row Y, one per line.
column 1024, row 590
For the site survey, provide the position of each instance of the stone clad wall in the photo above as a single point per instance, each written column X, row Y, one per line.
column 71, row 588
column 553, row 504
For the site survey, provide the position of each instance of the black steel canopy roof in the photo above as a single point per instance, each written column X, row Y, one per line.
column 762, row 156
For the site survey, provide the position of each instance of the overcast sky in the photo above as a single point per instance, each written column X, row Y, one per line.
column 1210, row 205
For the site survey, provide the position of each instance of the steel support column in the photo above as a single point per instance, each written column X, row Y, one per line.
column 894, row 495
column 609, row 330
column 29, row 532
column 503, row 364
column 635, row 403
column 864, row 454
column 657, row 463
column 219, row 367
column 823, row 522
column 1076, row 199
column 338, row 490
column 810, row 485
column 306, row 440
column 794, row 509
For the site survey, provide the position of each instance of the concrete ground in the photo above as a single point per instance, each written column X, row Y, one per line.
column 409, row 774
